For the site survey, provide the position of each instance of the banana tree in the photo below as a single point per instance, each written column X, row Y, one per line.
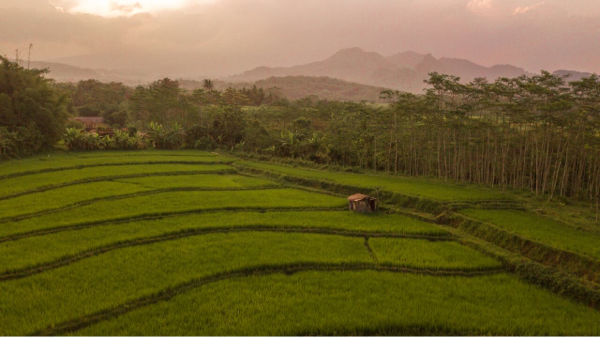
column 72, row 138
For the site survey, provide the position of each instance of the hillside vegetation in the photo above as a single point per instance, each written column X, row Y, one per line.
column 299, row 87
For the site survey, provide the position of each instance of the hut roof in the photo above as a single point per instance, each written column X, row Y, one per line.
column 359, row 197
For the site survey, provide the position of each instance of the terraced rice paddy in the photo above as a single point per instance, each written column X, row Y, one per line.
column 145, row 244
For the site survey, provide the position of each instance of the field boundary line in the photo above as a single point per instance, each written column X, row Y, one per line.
column 552, row 279
column 399, row 330
column 292, row 185
column 47, row 188
column 370, row 250
column 577, row 264
column 83, row 203
column 81, row 167
column 287, row 269
column 85, row 156
column 172, row 236
column 159, row 216
column 400, row 199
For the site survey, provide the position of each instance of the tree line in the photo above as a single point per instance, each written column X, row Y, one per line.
column 539, row 133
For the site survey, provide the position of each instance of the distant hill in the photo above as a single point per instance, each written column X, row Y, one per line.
column 350, row 74
column 465, row 69
column 573, row 75
column 404, row 71
column 296, row 87
column 67, row 73
column 353, row 65
column 408, row 59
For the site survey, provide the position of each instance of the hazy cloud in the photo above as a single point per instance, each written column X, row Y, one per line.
column 525, row 9
column 200, row 37
column 475, row 5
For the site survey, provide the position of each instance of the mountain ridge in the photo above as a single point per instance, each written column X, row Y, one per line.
column 404, row 71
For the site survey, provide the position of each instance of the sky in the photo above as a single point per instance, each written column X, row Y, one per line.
column 189, row 38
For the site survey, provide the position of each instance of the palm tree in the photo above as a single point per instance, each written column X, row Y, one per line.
column 209, row 85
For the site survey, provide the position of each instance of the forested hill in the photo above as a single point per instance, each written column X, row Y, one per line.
column 297, row 87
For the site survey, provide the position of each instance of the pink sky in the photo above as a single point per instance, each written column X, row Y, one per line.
column 221, row 37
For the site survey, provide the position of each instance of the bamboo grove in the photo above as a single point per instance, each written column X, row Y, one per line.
column 537, row 133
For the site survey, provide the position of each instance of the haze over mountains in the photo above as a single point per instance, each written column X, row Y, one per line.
column 404, row 71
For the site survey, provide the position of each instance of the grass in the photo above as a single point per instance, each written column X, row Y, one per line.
column 173, row 202
column 436, row 190
column 42, row 249
column 542, row 230
column 27, row 183
column 317, row 303
column 135, row 248
column 62, row 160
column 106, row 280
column 426, row 255
column 70, row 195
column 123, row 275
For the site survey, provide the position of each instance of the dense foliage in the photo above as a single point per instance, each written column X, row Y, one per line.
column 538, row 133
column 32, row 112
column 92, row 98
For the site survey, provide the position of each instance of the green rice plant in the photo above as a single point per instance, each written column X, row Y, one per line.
column 173, row 202
column 86, row 193
column 208, row 181
column 61, row 160
column 36, row 202
column 540, row 229
column 358, row 303
column 19, row 185
column 44, row 249
column 119, row 276
column 423, row 254
column 436, row 190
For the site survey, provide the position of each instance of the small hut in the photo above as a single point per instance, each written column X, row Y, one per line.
column 362, row 203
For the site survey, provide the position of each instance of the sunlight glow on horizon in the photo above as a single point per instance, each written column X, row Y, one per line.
column 112, row 8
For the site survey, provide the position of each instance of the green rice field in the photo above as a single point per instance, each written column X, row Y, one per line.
column 185, row 243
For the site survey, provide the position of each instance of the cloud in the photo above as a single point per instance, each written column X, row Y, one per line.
column 230, row 36
column 58, row 8
column 525, row 9
column 126, row 9
column 475, row 5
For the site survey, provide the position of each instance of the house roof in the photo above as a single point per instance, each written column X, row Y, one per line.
column 359, row 197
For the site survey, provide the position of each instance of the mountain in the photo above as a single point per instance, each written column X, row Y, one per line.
column 297, row 87
column 573, row 75
column 353, row 65
column 407, row 59
column 404, row 71
column 467, row 70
